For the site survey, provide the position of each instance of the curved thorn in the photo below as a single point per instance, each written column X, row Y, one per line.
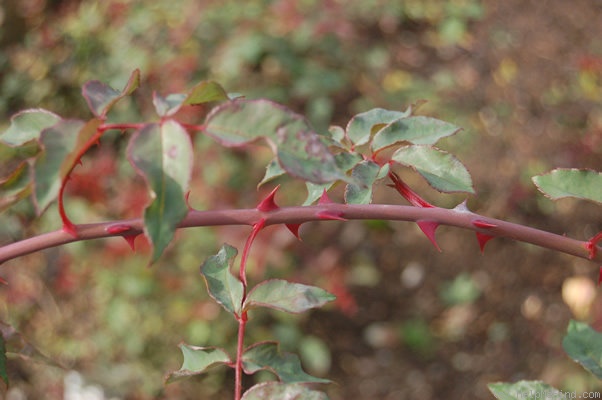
column 294, row 228
column 330, row 215
column 483, row 238
column 429, row 228
column 324, row 199
column 479, row 223
column 268, row 203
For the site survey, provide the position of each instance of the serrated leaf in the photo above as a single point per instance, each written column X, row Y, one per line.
column 580, row 183
column 299, row 150
column 366, row 174
column 27, row 125
column 362, row 126
column 584, row 345
column 15, row 187
column 162, row 154
column 58, row 144
column 3, row 367
column 222, row 286
column 272, row 171
column 442, row 170
column 279, row 391
column 416, row 130
column 286, row 296
column 524, row 390
column 286, row 366
column 101, row 97
column 197, row 361
column 314, row 191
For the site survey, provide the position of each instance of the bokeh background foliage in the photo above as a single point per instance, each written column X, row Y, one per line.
column 524, row 80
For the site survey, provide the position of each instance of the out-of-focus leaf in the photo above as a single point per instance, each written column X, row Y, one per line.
column 584, row 345
column 362, row 126
column 272, row 171
column 162, row 154
column 314, row 191
column 581, row 183
column 3, row 367
column 197, row 360
column 203, row 92
column 57, row 143
column 524, row 390
column 366, row 173
column 416, row 130
column 101, row 97
column 28, row 125
column 16, row 344
column 300, row 150
column 286, row 366
column 287, row 296
column 279, row 391
column 226, row 289
column 15, row 187
column 442, row 170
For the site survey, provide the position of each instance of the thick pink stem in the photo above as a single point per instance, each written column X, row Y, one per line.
column 297, row 215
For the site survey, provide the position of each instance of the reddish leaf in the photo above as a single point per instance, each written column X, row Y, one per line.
column 429, row 228
column 294, row 228
column 268, row 203
column 483, row 239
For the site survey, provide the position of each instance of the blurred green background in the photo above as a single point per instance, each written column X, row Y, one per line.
column 524, row 80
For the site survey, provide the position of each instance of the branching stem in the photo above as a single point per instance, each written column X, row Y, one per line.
column 296, row 215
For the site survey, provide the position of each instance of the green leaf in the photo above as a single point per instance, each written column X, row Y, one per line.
column 286, row 366
column 299, row 150
column 15, row 187
column 279, row 391
column 581, row 183
column 366, row 173
column 162, row 154
column 57, row 143
column 416, row 130
column 203, row 92
column 314, row 191
column 226, row 289
column 441, row 170
column 28, row 125
column 286, row 296
column 101, row 97
column 362, row 126
column 584, row 345
column 272, row 171
column 197, row 360
column 524, row 390
column 3, row 367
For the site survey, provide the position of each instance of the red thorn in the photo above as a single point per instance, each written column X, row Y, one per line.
column 294, row 228
column 324, row 199
column 187, row 199
column 412, row 197
column 483, row 239
column 69, row 228
column 333, row 215
column 429, row 228
column 591, row 245
column 3, row 281
column 130, row 239
column 600, row 277
column 117, row 228
column 479, row 223
column 268, row 204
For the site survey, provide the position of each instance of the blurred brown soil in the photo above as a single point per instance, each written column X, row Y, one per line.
column 518, row 74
